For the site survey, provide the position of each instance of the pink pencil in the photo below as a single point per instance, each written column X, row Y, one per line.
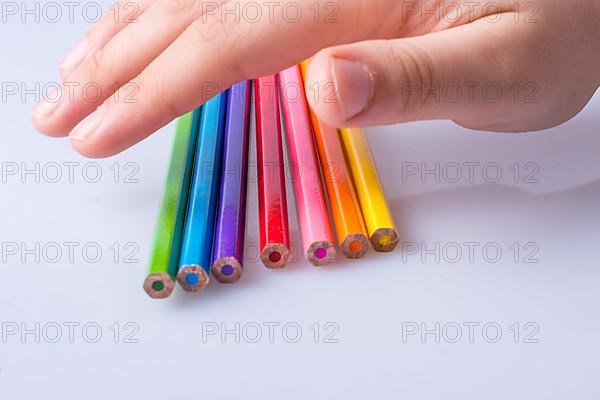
column 317, row 236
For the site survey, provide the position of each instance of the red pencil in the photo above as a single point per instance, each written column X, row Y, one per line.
column 317, row 236
column 272, row 200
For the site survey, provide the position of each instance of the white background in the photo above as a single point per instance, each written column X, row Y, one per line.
column 369, row 301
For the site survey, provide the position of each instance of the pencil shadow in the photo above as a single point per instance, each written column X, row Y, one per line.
column 566, row 209
column 251, row 277
column 562, row 212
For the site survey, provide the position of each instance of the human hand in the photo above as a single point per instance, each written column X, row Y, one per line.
column 495, row 65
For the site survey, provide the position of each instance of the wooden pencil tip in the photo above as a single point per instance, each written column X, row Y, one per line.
column 192, row 278
column 227, row 269
column 385, row 240
column 355, row 245
column 320, row 253
column 275, row 255
column 159, row 285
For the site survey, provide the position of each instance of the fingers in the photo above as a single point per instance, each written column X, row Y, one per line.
column 209, row 56
column 117, row 17
column 109, row 68
column 182, row 52
column 483, row 75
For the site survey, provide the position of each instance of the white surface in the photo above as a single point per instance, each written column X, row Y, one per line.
column 368, row 300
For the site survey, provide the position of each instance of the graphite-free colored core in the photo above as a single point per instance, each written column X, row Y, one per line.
column 192, row 279
column 227, row 270
column 321, row 253
column 355, row 246
column 384, row 240
column 275, row 256
column 158, row 286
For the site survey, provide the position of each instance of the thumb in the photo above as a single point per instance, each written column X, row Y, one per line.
column 466, row 74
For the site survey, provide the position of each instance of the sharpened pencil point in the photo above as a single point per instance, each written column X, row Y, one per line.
column 192, row 278
column 320, row 253
column 275, row 255
column 159, row 285
column 355, row 245
column 227, row 270
column 385, row 240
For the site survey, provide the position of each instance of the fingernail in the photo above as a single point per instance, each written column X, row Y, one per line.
column 354, row 84
column 75, row 56
column 45, row 108
column 86, row 128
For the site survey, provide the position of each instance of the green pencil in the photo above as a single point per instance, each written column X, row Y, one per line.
column 164, row 260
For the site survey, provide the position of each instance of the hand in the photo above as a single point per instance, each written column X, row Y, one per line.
column 499, row 65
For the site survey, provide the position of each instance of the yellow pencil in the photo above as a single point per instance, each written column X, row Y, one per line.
column 380, row 224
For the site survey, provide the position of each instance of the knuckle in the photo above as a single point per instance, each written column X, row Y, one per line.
column 224, row 46
column 199, row 31
column 94, row 36
column 211, row 32
column 180, row 6
column 160, row 98
column 413, row 72
column 511, row 62
column 99, row 66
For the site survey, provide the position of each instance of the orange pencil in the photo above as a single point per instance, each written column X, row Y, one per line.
column 347, row 217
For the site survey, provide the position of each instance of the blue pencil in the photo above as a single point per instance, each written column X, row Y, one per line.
column 196, row 249
column 228, row 246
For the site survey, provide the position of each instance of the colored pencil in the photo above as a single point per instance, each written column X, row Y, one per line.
column 274, row 235
column 378, row 218
column 196, row 250
column 317, row 236
column 169, row 228
column 228, row 246
column 347, row 217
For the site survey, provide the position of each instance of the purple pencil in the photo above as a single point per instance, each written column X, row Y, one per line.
column 228, row 246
